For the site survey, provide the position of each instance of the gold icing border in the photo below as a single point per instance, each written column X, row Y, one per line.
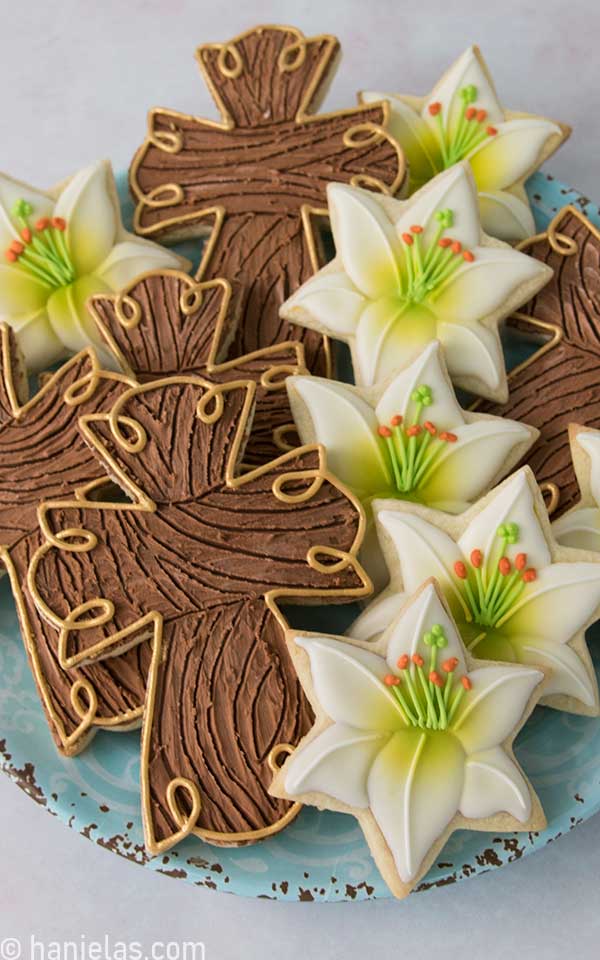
column 269, row 379
column 151, row 625
column 172, row 144
column 564, row 246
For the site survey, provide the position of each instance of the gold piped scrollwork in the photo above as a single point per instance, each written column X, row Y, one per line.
column 128, row 311
column 210, row 407
column 292, row 57
column 169, row 141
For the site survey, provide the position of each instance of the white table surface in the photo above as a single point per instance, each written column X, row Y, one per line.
column 76, row 79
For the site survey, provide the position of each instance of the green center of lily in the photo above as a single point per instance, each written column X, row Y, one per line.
column 428, row 266
column 428, row 698
column 42, row 250
column 413, row 448
column 490, row 588
column 468, row 132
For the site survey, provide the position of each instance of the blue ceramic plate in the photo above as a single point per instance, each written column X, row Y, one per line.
column 321, row 856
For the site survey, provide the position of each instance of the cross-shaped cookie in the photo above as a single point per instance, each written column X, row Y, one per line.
column 256, row 180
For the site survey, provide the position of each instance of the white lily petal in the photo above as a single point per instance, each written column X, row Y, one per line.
column 414, row 622
column 428, row 369
column 505, row 216
column 377, row 615
column 493, row 707
column 580, row 528
column 473, row 352
column 494, row 784
column 36, row 339
column 419, row 143
column 390, row 335
column 20, row 292
column 10, row 192
column 70, row 320
column 423, row 551
column 346, row 425
column 364, row 240
column 470, row 68
column 589, row 441
column 348, row 683
column 498, row 278
column 512, row 502
column 414, row 787
column 129, row 259
column 454, row 189
column 328, row 302
column 512, row 154
column 88, row 205
column 569, row 675
column 465, row 470
column 336, row 763
column 558, row 604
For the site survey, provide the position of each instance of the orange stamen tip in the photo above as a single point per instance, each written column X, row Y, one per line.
column 416, row 228
column 476, row 558
column 417, row 659
column 42, row 224
column 468, row 256
column 413, row 431
column 530, row 575
column 59, row 223
column 456, row 246
column 481, row 115
column 491, row 131
column 26, row 234
column 460, row 570
column 430, row 427
column 470, row 113
column 407, row 237
column 436, row 679
column 521, row 561
column 384, row 431
column 466, row 683
column 17, row 247
column 504, row 566
column 444, row 242
column 10, row 255
column 403, row 661
column 396, row 420
column 390, row 680
column 448, row 437
column 450, row 665
column 434, row 108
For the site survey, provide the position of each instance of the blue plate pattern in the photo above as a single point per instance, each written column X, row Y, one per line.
column 321, row 856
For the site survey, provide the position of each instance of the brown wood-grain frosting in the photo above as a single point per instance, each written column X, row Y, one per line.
column 44, row 456
column 199, row 559
column 165, row 323
column 561, row 382
column 256, row 180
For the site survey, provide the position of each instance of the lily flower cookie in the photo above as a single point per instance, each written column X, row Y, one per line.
column 412, row 737
column 580, row 526
column 408, row 439
column 462, row 119
column 59, row 248
column 516, row 595
column 408, row 272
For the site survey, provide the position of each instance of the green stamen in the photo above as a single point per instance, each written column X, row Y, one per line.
column 42, row 252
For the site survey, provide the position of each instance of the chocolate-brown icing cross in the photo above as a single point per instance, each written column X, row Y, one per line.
column 198, row 561
column 165, row 324
column 256, row 180
column 560, row 384
column 42, row 456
